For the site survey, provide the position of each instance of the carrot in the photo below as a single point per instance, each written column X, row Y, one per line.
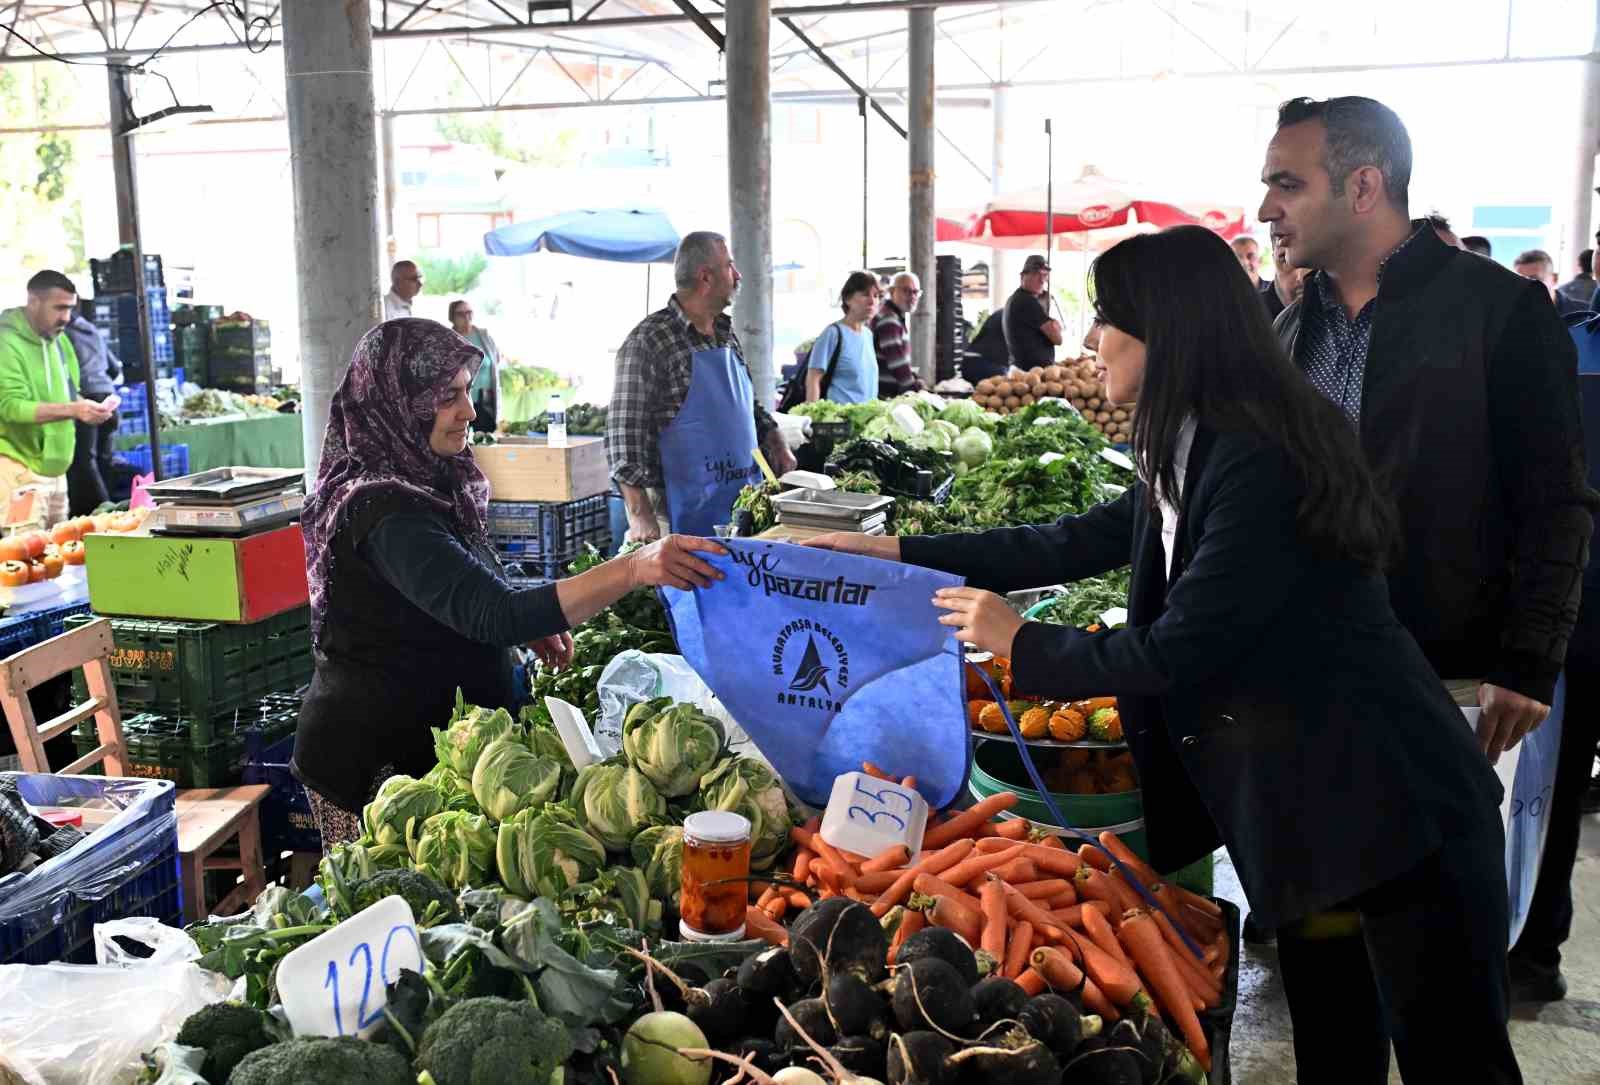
column 1061, row 972
column 760, row 925
column 1017, row 950
column 1195, row 976
column 1144, row 943
column 802, row 864
column 1018, row 871
column 991, row 844
column 1031, row 982
column 975, row 865
column 875, row 772
column 1192, row 922
column 992, row 903
column 812, row 823
column 853, row 858
column 1091, row 884
column 876, row 882
column 1013, row 829
column 797, row 899
column 828, row 855
column 1072, row 914
column 1098, row 928
column 910, row 924
column 931, row 885
column 967, row 822
column 1141, row 870
column 909, row 781
column 937, row 863
column 776, row 908
column 1053, row 842
column 1090, row 855
column 887, row 859
column 1046, row 927
column 953, row 914
column 766, row 895
column 1047, row 889
column 1117, row 980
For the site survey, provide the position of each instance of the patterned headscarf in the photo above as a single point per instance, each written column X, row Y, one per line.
column 377, row 440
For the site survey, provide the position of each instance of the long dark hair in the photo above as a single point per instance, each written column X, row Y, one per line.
column 1211, row 353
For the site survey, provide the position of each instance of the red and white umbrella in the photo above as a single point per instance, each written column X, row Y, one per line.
column 1092, row 213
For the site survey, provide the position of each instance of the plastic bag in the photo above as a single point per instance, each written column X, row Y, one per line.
column 635, row 676
column 165, row 945
column 88, row 1024
column 1530, row 809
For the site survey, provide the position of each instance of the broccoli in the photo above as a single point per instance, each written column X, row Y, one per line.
column 228, row 1031
column 321, row 1061
column 486, row 1041
column 419, row 891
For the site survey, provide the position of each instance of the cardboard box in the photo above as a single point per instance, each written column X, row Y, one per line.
column 197, row 578
column 528, row 469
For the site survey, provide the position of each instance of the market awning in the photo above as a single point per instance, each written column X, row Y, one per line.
column 628, row 236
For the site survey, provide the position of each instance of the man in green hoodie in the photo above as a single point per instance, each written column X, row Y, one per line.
column 39, row 398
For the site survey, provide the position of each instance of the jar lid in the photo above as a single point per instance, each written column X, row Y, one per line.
column 717, row 827
column 689, row 934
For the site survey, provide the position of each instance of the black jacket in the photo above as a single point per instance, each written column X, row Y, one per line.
column 1270, row 698
column 1469, row 419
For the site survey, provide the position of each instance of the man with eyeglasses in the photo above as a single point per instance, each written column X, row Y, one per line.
column 405, row 283
column 891, row 338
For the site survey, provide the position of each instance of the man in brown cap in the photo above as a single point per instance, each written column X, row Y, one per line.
column 1032, row 334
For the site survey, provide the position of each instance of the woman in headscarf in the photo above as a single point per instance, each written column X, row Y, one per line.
column 408, row 601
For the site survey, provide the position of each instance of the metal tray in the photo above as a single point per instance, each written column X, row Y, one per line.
column 227, row 485
column 832, row 506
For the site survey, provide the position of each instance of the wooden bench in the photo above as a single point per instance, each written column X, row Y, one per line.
column 208, row 818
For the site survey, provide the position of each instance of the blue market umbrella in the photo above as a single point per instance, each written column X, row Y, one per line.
column 631, row 237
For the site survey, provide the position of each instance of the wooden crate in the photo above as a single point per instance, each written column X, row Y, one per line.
column 528, row 469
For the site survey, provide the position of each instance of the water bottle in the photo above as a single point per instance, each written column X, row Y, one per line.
column 556, row 432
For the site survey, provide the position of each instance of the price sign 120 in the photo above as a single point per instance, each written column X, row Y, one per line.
column 335, row 984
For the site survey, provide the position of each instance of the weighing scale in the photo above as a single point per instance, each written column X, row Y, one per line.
column 227, row 501
column 833, row 510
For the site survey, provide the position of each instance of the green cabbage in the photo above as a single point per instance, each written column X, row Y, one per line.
column 400, row 801
column 509, row 777
column 930, row 440
column 457, row 849
column 880, row 428
column 541, row 852
column 973, row 446
column 658, row 851
column 746, row 786
column 614, row 801
column 674, row 747
column 470, row 729
column 962, row 413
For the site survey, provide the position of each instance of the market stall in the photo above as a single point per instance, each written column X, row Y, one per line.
column 271, row 440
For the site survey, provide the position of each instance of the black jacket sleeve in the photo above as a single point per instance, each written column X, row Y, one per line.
column 1537, row 436
column 1013, row 558
column 1248, row 565
column 419, row 556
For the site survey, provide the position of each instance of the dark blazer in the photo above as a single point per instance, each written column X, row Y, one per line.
column 1469, row 420
column 1271, row 700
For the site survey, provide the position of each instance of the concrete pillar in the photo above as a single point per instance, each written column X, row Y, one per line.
column 920, row 91
column 1580, row 228
column 390, row 188
column 1000, row 277
column 327, row 61
column 749, row 69
column 121, row 149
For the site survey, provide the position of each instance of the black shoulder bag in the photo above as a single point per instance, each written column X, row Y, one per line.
column 794, row 392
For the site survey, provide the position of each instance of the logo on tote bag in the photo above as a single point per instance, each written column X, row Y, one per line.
column 810, row 683
column 763, row 574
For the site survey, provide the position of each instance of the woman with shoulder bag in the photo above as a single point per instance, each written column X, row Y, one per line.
column 843, row 365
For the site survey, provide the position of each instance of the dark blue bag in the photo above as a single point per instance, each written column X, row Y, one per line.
column 829, row 660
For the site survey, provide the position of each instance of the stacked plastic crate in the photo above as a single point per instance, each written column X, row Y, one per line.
column 115, row 309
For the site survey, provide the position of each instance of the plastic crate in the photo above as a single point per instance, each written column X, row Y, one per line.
column 286, row 821
column 53, row 622
column 122, row 310
column 131, row 412
column 160, row 748
column 206, row 670
column 545, row 537
column 174, row 459
column 129, row 867
column 115, row 273
column 17, row 633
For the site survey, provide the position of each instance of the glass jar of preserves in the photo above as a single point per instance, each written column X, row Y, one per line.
column 716, row 866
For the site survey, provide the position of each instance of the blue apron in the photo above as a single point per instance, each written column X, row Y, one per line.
column 706, row 451
column 828, row 660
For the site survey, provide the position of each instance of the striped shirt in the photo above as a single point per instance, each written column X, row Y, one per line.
column 893, row 345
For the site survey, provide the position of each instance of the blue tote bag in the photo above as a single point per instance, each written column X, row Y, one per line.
column 828, row 660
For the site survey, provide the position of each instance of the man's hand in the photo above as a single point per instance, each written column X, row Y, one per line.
column 642, row 530
column 886, row 547
column 554, row 651
column 1507, row 716
column 981, row 618
column 779, row 458
column 671, row 563
column 91, row 413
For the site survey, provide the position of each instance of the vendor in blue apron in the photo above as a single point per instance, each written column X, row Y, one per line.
column 685, row 420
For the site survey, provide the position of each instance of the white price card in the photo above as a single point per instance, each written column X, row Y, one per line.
column 1114, row 617
column 574, row 732
column 335, row 984
column 866, row 815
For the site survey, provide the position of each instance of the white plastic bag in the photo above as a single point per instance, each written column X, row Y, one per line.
column 72, row 1024
column 634, row 676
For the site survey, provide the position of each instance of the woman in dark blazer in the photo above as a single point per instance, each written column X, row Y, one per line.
column 1271, row 700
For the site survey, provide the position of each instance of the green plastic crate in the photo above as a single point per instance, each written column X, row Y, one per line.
column 162, row 749
column 205, row 672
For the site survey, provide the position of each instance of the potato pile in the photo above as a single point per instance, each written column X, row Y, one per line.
column 1076, row 382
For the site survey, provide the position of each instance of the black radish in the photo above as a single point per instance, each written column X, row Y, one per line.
column 719, row 1009
column 768, row 975
column 1107, row 1066
column 1056, row 1023
column 1030, row 1064
column 860, row 1055
column 838, row 935
column 1148, row 1048
column 998, row 999
column 918, row 1058
column 929, row 994
column 811, row 1015
column 855, row 1008
column 944, row 945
